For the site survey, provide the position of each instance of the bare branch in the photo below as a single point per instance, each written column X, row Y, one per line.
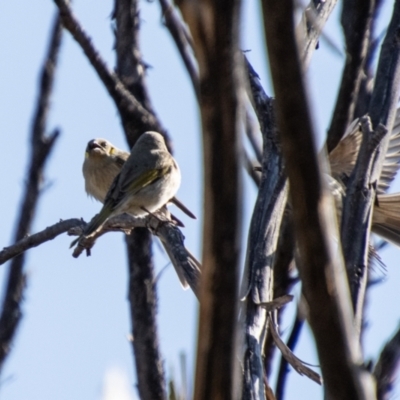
column 294, row 361
column 324, row 285
column 143, row 309
column 277, row 303
column 142, row 292
column 262, row 242
column 250, row 168
column 135, row 118
column 159, row 224
column 214, row 26
column 310, row 28
column 283, row 366
column 41, row 147
column 386, row 369
column 356, row 22
column 357, row 215
column 37, row 239
column 251, row 132
column 181, row 38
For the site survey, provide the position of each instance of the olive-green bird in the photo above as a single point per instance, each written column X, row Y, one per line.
column 103, row 162
column 148, row 180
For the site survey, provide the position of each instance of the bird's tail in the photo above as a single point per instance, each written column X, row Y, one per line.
column 386, row 217
column 96, row 223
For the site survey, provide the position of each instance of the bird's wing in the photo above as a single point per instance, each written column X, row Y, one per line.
column 386, row 217
column 392, row 159
column 344, row 156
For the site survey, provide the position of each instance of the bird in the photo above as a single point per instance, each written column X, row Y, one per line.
column 137, row 183
column 342, row 159
column 148, row 179
column 103, row 162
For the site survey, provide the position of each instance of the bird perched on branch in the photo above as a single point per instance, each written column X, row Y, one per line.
column 103, row 162
column 140, row 182
column 149, row 178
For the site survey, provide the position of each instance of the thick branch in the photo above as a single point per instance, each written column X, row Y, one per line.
column 142, row 292
column 356, row 22
column 214, row 26
column 149, row 366
column 324, row 287
column 41, row 147
column 262, row 242
column 362, row 185
column 357, row 216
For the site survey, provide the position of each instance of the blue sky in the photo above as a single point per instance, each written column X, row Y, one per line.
column 74, row 335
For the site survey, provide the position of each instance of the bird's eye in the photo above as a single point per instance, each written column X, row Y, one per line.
column 103, row 144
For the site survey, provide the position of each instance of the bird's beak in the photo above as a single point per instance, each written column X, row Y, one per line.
column 92, row 145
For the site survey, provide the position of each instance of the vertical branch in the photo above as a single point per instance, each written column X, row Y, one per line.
column 142, row 291
column 356, row 22
column 324, row 286
column 357, row 214
column 143, row 309
column 41, row 147
column 262, row 242
column 214, row 26
column 366, row 84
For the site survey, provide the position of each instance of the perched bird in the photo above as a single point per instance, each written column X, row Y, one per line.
column 149, row 178
column 103, row 162
column 136, row 183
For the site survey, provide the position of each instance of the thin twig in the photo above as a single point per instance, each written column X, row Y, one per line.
column 294, row 361
column 41, row 147
column 283, row 366
column 387, row 367
column 182, row 40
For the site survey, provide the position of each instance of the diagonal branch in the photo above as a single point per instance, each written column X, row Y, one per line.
column 387, row 367
column 262, row 242
column 135, row 118
column 311, row 25
column 41, row 147
column 356, row 22
column 37, row 239
column 324, row 285
column 182, row 40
